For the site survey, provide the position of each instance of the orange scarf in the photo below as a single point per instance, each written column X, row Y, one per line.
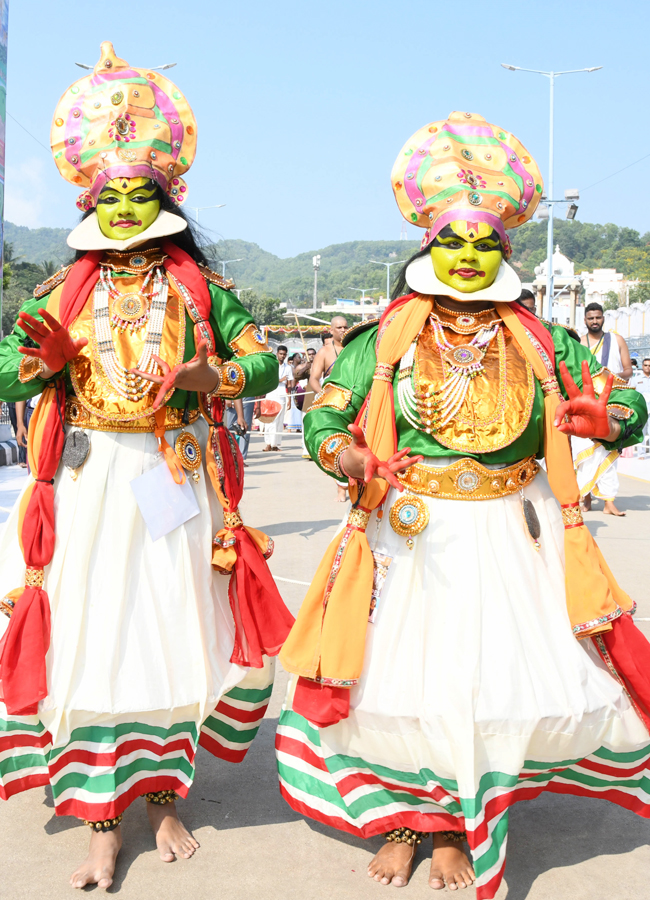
column 327, row 641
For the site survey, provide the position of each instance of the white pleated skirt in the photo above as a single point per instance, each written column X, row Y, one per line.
column 474, row 691
column 141, row 638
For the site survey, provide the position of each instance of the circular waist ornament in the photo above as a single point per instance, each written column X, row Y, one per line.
column 188, row 451
column 409, row 515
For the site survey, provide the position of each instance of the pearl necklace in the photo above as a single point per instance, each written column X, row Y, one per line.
column 432, row 409
column 131, row 387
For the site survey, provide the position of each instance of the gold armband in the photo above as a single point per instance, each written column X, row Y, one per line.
column 600, row 380
column 618, row 412
column 231, row 380
column 332, row 396
column 30, row 367
column 249, row 341
column 331, row 451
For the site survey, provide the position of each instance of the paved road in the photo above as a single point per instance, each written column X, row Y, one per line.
column 253, row 845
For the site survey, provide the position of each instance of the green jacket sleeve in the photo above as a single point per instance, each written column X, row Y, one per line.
column 11, row 389
column 338, row 404
column 256, row 368
column 625, row 403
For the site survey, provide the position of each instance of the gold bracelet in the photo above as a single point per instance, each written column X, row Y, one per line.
column 215, row 390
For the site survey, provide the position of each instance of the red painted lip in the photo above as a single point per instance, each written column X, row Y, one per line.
column 124, row 223
column 467, row 273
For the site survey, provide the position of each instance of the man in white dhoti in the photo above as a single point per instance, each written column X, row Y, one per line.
column 595, row 464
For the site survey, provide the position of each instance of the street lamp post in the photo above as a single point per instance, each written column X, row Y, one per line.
column 225, row 262
column 239, row 291
column 316, row 264
column 395, row 262
column 363, row 298
column 197, row 209
column 549, row 241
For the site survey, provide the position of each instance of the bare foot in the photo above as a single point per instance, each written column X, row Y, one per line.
column 393, row 863
column 172, row 837
column 611, row 510
column 99, row 866
column 341, row 494
column 449, row 865
column 585, row 503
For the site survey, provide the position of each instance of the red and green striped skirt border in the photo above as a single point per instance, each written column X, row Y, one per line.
column 365, row 800
column 103, row 769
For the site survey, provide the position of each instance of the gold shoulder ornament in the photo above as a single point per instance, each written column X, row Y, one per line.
column 53, row 281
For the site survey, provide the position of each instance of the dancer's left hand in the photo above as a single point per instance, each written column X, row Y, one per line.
column 587, row 414
column 195, row 375
column 359, row 461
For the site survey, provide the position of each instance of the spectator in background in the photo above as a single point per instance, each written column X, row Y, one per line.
column 328, row 354
column 527, row 299
column 595, row 464
column 273, row 430
column 321, row 367
column 22, row 448
column 641, row 381
column 239, row 413
column 24, row 410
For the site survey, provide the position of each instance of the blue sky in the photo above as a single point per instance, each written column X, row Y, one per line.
column 303, row 107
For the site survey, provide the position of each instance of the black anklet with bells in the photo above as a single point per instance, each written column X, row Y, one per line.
column 405, row 836
column 106, row 825
column 161, row 797
column 456, row 836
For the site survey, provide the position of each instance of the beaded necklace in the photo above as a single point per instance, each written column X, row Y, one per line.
column 131, row 387
column 432, row 409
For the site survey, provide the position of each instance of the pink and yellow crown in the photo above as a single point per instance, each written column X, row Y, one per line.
column 123, row 122
column 465, row 169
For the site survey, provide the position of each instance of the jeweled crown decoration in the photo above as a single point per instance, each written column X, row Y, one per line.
column 464, row 169
column 122, row 121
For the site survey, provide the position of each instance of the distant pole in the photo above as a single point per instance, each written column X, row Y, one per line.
column 4, row 26
column 550, row 279
column 316, row 264
column 225, row 262
column 197, row 209
column 550, row 285
column 395, row 262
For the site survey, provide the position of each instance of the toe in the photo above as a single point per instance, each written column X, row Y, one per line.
column 436, row 881
column 167, row 856
column 104, row 883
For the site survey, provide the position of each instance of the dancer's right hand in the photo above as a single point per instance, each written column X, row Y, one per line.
column 56, row 345
column 360, row 462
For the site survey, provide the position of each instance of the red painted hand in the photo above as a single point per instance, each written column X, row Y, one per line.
column 587, row 413
column 56, row 345
column 361, row 459
column 195, row 375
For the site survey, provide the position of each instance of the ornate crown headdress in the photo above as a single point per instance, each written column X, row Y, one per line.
column 464, row 169
column 123, row 122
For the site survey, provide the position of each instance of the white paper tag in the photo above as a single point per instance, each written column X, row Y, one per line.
column 164, row 504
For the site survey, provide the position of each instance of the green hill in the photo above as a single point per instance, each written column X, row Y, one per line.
column 343, row 266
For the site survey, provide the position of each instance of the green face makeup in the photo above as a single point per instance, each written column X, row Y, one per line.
column 123, row 216
column 462, row 264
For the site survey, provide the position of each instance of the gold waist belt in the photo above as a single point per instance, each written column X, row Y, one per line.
column 469, row 480
column 76, row 414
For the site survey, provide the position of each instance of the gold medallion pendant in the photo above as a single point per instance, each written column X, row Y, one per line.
column 409, row 515
column 130, row 311
column 189, row 452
